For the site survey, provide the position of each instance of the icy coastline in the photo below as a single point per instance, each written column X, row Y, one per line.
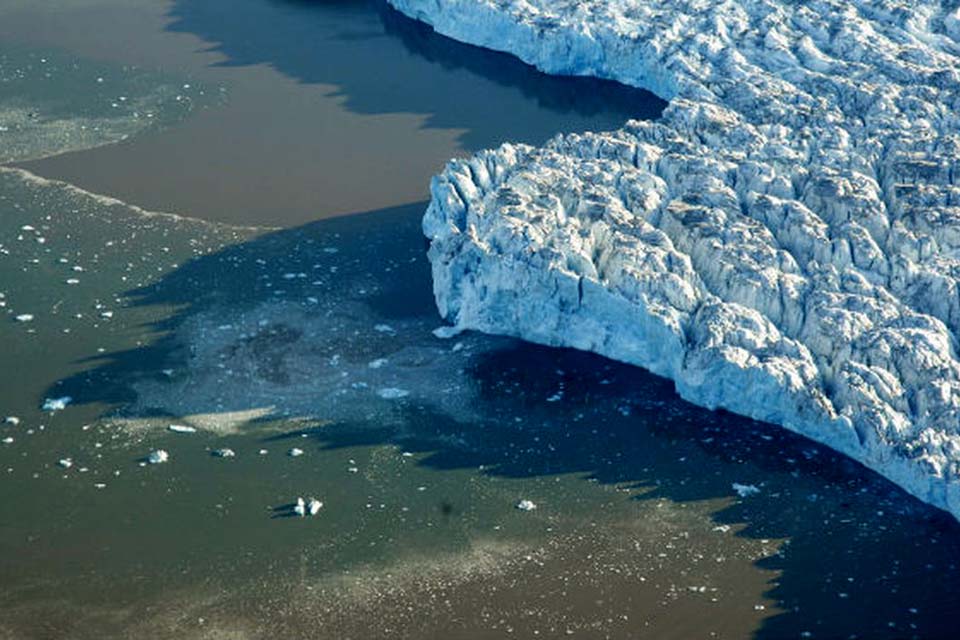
column 784, row 243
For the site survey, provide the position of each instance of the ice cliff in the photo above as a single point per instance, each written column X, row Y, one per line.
column 783, row 243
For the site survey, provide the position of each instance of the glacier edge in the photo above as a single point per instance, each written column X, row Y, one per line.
column 784, row 243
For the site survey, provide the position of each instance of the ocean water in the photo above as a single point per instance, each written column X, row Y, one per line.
column 265, row 333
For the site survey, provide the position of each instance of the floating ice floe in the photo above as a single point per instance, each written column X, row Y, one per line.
column 56, row 404
column 745, row 490
column 392, row 393
column 24, row 317
column 8, row 440
column 295, row 452
column 223, row 453
column 784, row 242
column 65, row 463
column 158, row 456
column 12, row 420
column 526, row 505
column 314, row 506
column 300, row 507
column 181, row 428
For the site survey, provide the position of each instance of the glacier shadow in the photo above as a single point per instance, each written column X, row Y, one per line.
column 378, row 61
column 849, row 531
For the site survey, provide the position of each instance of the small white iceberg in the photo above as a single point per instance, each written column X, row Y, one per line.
column 295, row 452
column 11, row 420
column 526, row 505
column 158, row 456
column 65, row 463
column 745, row 490
column 24, row 317
column 56, row 404
column 314, row 506
column 223, row 453
column 181, row 428
column 300, row 507
column 392, row 393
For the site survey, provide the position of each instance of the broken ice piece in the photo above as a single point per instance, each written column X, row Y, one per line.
column 158, row 456
column 294, row 452
column 745, row 490
column 66, row 463
column 300, row 508
column 444, row 333
column 12, row 420
column 181, row 428
column 314, row 506
column 223, row 453
column 526, row 505
column 392, row 393
column 56, row 404
column 24, row 317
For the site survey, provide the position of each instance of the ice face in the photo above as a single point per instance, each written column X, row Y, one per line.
column 783, row 243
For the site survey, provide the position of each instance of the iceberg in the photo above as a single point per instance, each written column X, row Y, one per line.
column 784, row 242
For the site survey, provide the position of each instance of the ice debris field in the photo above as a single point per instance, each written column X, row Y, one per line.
column 783, row 243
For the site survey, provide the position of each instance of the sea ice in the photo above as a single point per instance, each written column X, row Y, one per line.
column 783, row 243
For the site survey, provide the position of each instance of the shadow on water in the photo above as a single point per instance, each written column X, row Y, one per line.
column 615, row 424
column 414, row 70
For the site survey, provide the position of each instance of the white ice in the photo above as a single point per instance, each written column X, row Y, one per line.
column 783, row 243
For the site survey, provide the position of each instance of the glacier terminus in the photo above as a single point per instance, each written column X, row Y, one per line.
column 784, row 242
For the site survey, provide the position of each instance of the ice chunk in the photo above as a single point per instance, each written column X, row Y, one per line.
column 526, row 505
column 295, row 452
column 745, row 490
column 158, row 456
column 24, row 317
column 12, row 420
column 392, row 393
column 56, row 404
column 223, row 453
column 314, row 506
column 300, row 507
column 181, row 428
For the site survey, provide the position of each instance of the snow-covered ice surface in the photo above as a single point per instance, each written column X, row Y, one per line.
column 784, row 243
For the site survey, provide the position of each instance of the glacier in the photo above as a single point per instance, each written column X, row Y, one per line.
column 783, row 243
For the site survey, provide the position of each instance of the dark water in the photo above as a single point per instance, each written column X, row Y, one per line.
column 336, row 107
column 318, row 337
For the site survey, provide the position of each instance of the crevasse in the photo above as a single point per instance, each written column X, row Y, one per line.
column 783, row 243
